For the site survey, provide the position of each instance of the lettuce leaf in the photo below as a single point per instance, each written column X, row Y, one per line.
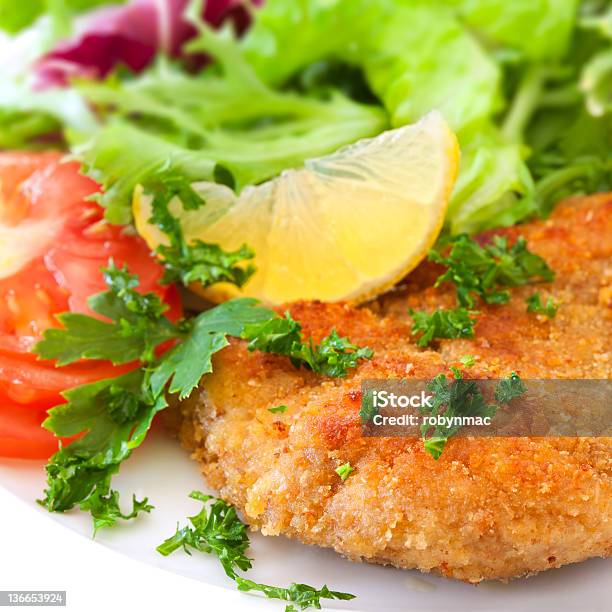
column 28, row 119
column 471, row 60
column 494, row 187
column 422, row 58
column 195, row 124
column 300, row 33
column 596, row 76
column 120, row 156
column 15, row 15
column 549, row 24
column 415, row 57
column 520, row 82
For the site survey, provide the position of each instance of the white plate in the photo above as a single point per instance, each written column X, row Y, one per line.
column 163, row 472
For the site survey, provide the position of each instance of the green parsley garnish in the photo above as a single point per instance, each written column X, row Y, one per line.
column 217, row 530
column 197, row 262
column 278, row 409
column 117, row 413
column 461, row 398
column 137, row 325
column 456, row 372
column 344, row 471
column 105, row 511
column 434, row 445
column 482, row 270
column 467, row 361
column 509, row 388
column 304, row 595
column 333, row 356
column 368, row 410
column 455, row 323
column 534, row 304
column 477, row 271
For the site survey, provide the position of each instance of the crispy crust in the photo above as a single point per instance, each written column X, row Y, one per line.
column 488, row 508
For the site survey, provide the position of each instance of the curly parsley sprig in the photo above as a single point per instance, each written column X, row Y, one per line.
column 217, row 530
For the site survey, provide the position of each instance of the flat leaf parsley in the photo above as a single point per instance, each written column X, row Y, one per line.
column 304, row 595
column 136, row 326
column 116, row 413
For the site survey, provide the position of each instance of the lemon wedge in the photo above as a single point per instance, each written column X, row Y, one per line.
column 346, row 226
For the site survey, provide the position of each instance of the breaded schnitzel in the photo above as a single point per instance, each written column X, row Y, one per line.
column 488, row 508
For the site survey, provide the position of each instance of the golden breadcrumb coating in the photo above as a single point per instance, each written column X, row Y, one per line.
column 489, row 507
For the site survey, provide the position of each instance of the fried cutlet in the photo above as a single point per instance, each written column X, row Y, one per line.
column 488, row 507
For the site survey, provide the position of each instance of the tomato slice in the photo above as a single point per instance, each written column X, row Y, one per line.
column 39, row 384
column 21, row 434
column 53, row 243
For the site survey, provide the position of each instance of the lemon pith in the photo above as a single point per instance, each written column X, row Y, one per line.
column 344, row 227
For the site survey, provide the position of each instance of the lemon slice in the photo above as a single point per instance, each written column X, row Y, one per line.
column 344, row 227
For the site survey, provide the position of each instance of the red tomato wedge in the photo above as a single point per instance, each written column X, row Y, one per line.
column 53, row 244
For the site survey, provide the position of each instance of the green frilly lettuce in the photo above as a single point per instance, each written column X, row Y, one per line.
column 490, row 66
column 526, row 85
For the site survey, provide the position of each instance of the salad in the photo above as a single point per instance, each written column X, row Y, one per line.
column 151, row 149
